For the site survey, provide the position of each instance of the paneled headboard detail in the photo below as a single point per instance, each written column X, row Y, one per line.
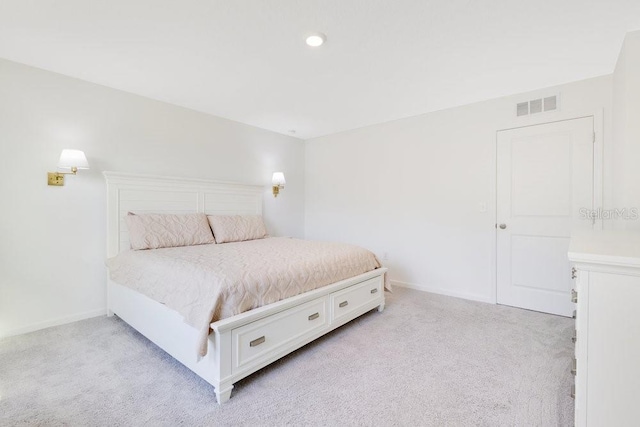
column 153, row 194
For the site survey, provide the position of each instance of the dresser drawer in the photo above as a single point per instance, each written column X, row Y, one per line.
column 259, row 339
column 353, row 301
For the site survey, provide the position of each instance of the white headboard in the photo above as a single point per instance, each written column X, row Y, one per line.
column 153, row 194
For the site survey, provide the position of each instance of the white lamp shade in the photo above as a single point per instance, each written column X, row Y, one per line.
column 278, row 178
column 73, row 159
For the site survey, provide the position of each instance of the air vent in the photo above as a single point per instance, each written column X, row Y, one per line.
column 523, row 109
column 550, row 103
column 536, row 106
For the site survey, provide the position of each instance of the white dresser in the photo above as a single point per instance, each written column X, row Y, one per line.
column 607, row 365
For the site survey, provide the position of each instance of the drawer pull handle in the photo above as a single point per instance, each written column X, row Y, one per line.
column 343, row 304
column 575, row 315
column 574, row 295
column 574, row 367
column 314, row 316
column 374, row 290
column 257, row 341
column 573, row 392
column 574, row 273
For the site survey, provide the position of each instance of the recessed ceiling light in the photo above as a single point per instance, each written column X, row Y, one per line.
column 316, row 39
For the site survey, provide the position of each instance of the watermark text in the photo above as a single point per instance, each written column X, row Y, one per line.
column 625, row 214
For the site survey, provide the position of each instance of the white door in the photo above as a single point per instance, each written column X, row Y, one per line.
column 544, row 179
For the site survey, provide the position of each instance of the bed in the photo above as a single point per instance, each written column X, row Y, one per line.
column 238, row 345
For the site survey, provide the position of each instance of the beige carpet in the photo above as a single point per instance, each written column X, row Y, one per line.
column 427, row 360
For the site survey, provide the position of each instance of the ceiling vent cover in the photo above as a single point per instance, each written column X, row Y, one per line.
column 536, row 106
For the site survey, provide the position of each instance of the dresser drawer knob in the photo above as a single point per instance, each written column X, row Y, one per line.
column 343, row 304
column 374, row 290
column 314, row 316
column 257, row 341
column 574, row 295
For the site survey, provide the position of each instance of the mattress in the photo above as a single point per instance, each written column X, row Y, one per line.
column 206, row 283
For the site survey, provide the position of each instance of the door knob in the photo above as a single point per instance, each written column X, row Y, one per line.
column 503, row 226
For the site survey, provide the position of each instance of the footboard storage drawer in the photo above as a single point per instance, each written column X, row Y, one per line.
column 355, row 300
column 259, row 340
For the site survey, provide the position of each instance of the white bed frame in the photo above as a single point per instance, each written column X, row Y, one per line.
column 240, row 345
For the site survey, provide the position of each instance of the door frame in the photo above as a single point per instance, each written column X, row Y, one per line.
column 598, row 171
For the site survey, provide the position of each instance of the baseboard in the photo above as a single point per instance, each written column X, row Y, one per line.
column 54, row 322
column 443, row 291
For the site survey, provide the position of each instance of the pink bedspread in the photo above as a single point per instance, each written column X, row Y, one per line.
column 207, row 283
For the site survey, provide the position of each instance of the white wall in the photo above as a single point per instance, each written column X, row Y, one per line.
column 52, row 239
column 413, row 188
column 626, row 129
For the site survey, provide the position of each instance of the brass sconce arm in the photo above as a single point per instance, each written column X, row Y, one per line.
column 276, row 190
column 69, row 159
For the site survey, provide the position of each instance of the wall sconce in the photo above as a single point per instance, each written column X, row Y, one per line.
column 69, row 159
column 278, row 183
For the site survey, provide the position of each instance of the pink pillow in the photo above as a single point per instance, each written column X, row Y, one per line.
column 153, row 231
column 237, row 228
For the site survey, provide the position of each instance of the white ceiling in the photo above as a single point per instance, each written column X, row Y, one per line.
column 246, row 60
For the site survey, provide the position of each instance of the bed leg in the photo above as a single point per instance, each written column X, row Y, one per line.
column 223, row 393
column 381, row 308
